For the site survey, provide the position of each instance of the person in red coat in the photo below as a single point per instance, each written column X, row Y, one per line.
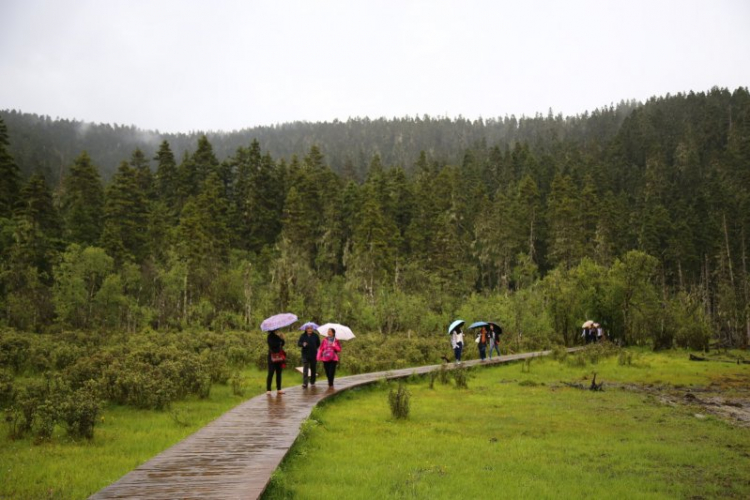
column 328, row 354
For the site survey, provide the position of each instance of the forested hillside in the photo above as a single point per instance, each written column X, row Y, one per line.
column 638, row 216
column 41, row 144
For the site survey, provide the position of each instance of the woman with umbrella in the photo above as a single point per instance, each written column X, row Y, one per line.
column 328, row 353
column 275, row 341
column 276, row 359
column 482, row 337
column 494, row 335
column 457, row 339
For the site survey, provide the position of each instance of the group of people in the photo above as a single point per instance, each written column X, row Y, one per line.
column 327, row 350
column 313, row 350
column 486, row 336
column 592, row 333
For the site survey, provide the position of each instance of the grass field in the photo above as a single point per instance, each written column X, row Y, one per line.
column 124, row 439
column 525, row 434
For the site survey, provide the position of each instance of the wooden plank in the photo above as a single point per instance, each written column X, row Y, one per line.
column 235, row 455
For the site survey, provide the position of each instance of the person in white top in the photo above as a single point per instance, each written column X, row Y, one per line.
column 457, row 341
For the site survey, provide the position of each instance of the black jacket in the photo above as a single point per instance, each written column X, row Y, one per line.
column 275, row 343
column 313, row 343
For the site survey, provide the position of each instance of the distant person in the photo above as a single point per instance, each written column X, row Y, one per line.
column 599, row 332
column 481, row 340
column 587, row 335
column 457, row 342
column 276, row 360
column 327, row 353
column 494, row 336
column 309, row 342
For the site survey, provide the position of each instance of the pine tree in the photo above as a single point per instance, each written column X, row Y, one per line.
column 526, row 215
column 373, row 243
column 82, row 202
column 145, row 177
column 423, row 223
column 126, row 215
column 167, row 179
column 10, row 177
column 566, row 234
column 263, row 204
column 38, row 208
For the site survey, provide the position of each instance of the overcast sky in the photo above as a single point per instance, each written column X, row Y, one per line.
column 181, row 65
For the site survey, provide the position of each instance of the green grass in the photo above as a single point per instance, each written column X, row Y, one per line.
column 123, row 439
column 525, row 435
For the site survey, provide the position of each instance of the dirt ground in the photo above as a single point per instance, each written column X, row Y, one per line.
column 727, row 398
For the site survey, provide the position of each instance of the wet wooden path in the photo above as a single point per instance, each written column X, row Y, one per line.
column 234, row 456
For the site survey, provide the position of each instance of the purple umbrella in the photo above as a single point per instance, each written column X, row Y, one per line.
column 309, row 323
column 277, row 321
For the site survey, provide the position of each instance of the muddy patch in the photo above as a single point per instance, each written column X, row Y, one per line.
column 728, row 403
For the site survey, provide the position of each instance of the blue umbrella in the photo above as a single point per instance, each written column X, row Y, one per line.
column 277, row 321
column 309, row 323
column 455, row 325
column 478, row 324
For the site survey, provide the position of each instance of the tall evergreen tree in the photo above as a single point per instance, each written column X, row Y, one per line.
column 566, row 234
column 143, row 174
column 126, row 215
column 10, row 178
column 82, row 202
column 37, row 206
column 167, row 181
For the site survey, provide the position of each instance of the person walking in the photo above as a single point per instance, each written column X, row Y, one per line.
column 328, row 354
column 309, row 342
column 276, row 359
column 482, row 342
column 494, row 336
column 457, row 342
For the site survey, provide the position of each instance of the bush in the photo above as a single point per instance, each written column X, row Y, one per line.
column 14, row 350
column 80, row 411
column 238, row 383
column 443, row 375
column 7, row 389
column 625, row 358
column 559, row 353
column 461, row 376
column 399, row 401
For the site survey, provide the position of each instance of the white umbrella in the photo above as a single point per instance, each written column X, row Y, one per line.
column 588, row 324
column 342, row 332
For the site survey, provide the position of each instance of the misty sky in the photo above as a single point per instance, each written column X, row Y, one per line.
column 181, row 65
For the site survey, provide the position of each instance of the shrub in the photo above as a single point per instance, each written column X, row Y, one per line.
column 216, row 365
column 625, row 358
column 559, row 353
column 399, row 401
column 80, row 410
column 238, row 383
column 461, row 376
column 7, row 389
column 64, row 355
column 443, row 374
column 14, row 349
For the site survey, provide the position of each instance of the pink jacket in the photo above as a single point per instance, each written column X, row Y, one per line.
column 327, row 350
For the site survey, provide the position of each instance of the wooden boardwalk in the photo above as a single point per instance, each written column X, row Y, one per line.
column 235, row 455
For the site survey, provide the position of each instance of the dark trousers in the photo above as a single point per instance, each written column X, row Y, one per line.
column 273, row 367
column 457, row 352
column 330, row 367
column 309, row 366
column 482, row 350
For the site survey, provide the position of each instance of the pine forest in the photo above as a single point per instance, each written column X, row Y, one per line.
column 637, row 215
